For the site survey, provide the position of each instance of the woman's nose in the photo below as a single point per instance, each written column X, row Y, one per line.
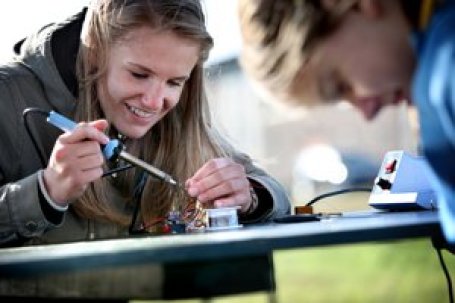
column 154, row 96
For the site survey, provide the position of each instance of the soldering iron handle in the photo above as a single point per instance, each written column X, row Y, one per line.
column 61, row 122
column 110, row 151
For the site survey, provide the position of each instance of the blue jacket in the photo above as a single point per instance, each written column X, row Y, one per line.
column 434, row 96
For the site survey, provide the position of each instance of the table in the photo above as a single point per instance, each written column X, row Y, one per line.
column 249, row 244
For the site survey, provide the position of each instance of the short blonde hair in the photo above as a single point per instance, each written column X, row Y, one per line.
column 278, row 37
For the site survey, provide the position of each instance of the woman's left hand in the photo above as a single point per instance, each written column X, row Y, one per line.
column 222, row 182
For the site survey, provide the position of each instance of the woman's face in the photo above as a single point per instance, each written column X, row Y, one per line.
column 368, row 61
column 146, row 73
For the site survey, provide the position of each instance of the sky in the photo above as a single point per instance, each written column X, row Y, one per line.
column 19, row 18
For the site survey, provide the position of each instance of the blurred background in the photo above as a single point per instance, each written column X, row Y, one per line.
column 310, row 153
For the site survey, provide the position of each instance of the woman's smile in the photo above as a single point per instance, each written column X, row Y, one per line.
column 141, row 113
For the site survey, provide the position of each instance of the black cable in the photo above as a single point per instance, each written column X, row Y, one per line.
column 25, row 114
column 337, row 192
column 137, row 199
column 446, row 273
column 117, row 170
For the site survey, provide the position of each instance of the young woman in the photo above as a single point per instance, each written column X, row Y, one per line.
column 131, row 70
column 371, row 53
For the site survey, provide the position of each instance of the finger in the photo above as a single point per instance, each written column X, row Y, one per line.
column 229, row 188
column 70, row 152
column 218, row 177
column 84, row 177
column 72, row 168
column 221, row 170
column 210, row 167
column 90, row 162
column 241, row 199
column 100, row 125
column 86, row 148
column 92, row 174
column 232, row 201
column 85, row 131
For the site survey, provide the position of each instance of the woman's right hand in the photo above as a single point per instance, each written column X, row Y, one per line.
column 76, row 160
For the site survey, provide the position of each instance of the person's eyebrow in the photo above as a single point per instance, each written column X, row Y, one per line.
column 150, row 71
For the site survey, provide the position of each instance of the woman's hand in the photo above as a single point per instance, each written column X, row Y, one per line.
column 222, row 182
column 76, row 160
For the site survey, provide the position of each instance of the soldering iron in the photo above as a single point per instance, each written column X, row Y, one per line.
column 112, row 150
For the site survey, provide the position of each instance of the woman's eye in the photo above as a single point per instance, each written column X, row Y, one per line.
column 139, row 75
column 175, row 83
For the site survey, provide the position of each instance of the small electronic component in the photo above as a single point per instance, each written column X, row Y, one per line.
column 222, row 218
column 197, row 218
column 303, row 209
column 194, row 215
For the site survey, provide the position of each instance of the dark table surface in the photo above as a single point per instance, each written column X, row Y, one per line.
column 353, row 227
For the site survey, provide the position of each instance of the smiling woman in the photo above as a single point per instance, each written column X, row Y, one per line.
column 132, row 70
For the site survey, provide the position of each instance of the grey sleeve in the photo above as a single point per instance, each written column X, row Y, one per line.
column 273, row 198
column 21, row 215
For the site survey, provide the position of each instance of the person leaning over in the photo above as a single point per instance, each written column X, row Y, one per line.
column 124, row 69
column 371, row 53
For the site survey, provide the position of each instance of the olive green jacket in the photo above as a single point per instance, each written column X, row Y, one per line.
column 43, row 76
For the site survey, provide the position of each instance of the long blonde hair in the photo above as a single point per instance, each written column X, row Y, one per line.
column 184, row 139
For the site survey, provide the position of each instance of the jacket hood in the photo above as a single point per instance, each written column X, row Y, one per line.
column 50, row 54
